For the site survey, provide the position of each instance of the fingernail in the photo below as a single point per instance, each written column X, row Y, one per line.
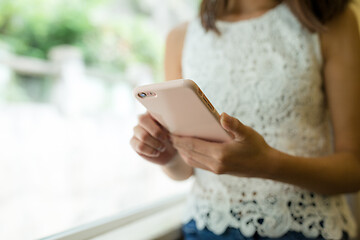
column 162, row 148
column 156, row 153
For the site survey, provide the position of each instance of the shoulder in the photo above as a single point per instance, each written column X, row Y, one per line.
column 173, row 51
column 340, row 33
column 176, row 36
column 348, row 16
column 179, row 30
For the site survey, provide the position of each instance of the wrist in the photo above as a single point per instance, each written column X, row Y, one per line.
column 173, row 161
column 177, row 169
column 272, row 163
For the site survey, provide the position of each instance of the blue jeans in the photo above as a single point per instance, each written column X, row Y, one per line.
column 190, row 232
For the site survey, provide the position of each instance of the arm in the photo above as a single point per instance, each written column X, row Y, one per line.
column 176, row 169
column 333, row 174
column 150, row 139
column 339, row 172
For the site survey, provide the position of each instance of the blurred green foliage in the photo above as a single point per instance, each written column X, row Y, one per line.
column 32, row 28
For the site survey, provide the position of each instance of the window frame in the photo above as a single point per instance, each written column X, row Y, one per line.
column 103, row 226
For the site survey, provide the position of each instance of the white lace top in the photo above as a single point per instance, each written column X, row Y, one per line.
column 265, row 72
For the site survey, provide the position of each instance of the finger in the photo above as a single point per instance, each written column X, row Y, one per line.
column 141, row 134
column 158, row 123
column 198, row 157
column 233, row 126
column 210, row 149
column 152, row 159
column 148, row 123
column 142, row 148
column 192, row 162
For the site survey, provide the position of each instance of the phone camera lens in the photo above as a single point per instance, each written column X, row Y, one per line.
column 142, row 95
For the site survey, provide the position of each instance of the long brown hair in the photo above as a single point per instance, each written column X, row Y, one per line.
column 313, row 14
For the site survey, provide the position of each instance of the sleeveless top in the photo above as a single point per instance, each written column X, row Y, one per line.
column 266, row 72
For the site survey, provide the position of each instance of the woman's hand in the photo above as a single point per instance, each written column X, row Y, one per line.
column 246, row 155
column 151, row 141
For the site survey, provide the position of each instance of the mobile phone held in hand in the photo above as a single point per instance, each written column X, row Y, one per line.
column 182, row 108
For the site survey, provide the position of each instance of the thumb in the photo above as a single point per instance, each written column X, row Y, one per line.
column 233, row 126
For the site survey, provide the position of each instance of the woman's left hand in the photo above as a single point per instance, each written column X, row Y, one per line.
column 246, row 155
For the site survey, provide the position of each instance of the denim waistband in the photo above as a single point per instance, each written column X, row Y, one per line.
column 190, row 232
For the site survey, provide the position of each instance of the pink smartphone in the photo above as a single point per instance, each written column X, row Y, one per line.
column 182, row 108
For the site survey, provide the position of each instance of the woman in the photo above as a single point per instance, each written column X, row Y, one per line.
column 284, row 70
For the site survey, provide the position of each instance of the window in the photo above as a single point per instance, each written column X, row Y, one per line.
column 66, row 110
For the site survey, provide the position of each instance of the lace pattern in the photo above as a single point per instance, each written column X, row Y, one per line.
column 268, row 207
column 266, row 72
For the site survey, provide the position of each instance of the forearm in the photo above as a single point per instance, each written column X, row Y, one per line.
column 333, row 174
column 177, row 169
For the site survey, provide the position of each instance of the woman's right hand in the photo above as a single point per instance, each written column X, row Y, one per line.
column 151, row 141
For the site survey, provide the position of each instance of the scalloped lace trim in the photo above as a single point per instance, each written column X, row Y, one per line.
column 271, row 209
